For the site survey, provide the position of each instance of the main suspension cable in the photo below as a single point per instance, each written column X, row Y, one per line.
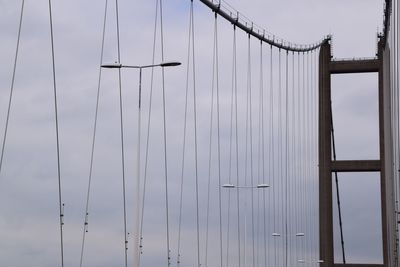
column 236, row 19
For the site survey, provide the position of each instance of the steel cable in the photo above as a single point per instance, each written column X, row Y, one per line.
column 250, row 109
column 235, row 19
column 61, row 204
column 246, row 167
column 280, row 159
column 230, row 159
column 145, row 175
column 86, row 220
column 122, row 135
column 299, row 158
column 286, row 159
column 12, row 85
column 237, row 145
column 184, row 142
column 272, row 155
column 293, row 152
column 195, row 137
column 165, row 137
column 210, row 143
column 218, row 141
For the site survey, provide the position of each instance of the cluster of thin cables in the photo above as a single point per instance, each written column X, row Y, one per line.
column 290, row 165
column 291, row 147
column 56, row 115
column 214, row 92
column 138, row 239
column 191, row 84
column 292, row 153
column 294, row 166
column 149, row 120
column 87, row 206
column 296, row 161
column 289, row 210
column 286, row 214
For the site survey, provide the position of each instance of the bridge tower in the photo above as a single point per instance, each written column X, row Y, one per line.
column 327, row 166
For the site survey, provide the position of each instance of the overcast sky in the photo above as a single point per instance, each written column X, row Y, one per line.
column 28, row 184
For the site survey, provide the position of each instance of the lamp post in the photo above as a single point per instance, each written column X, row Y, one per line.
column 232, row 186
column 116, row 65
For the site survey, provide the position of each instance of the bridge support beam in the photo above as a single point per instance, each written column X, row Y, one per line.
column 356, row 166
column 354, row 66
column 327, row 166
column 325, row 158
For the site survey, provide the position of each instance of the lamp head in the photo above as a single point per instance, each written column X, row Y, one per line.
column 112, row 66
column 170, row 64
column 228, row 186
column 263, row 186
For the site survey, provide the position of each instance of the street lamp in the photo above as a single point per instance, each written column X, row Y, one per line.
column 117, row 65
column 232, row 186
column 276, row 235
column 279, row 235
column 260, row 186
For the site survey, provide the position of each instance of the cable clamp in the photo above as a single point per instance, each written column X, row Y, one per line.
column 62, row 214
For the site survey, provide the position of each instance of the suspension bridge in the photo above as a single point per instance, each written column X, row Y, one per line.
column 217, row 154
